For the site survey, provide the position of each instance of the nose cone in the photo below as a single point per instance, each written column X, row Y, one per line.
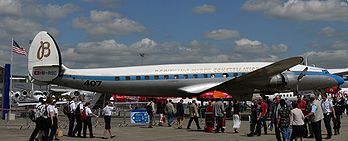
column 338, row 79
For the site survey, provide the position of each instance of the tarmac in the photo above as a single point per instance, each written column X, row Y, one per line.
column 21, row 128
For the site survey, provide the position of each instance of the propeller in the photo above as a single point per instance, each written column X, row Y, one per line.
column 302, row 74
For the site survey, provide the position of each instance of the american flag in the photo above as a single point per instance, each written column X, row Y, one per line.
column 17, row 49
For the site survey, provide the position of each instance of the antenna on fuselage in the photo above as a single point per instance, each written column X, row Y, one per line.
column 142, row 55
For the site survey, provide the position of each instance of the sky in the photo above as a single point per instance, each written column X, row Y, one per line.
column 112, row 33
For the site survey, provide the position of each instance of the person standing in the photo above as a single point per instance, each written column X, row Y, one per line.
column 253, row 118
column 107, row 110
column 193, row 115
column 315, row 116
column 169, row 109
column 88, row 121
column 180, row 113
column 160, row 112
column 297, row 122
column 346, row 104
column 71, row 116
column 78, row 111
column 209, row 117
column 329, row 112
column 40, row 122
column 150, row 109
column 301, row 104
column 236, row 115
column 219, row 114
column 274, row 117
column 283, row 120
column 262, row 117
column 56, row 115
column 339, row 109
column 52, row 118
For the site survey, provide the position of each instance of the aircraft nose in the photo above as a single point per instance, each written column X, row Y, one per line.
column 338, row 79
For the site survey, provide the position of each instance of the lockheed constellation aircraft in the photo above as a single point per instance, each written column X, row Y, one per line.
column 240, row 80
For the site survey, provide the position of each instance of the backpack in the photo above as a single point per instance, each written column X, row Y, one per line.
column 32, row 115
column 66, row 109
column 40, row 111
column 83, row 115
column 149, row 108
column 77, row 110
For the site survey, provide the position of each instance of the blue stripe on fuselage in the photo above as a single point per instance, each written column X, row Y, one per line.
column 339, row 79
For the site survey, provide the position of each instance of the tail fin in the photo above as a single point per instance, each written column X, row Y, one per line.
column 44, row 60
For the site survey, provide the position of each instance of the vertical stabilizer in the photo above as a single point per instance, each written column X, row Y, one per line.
column 44, row 60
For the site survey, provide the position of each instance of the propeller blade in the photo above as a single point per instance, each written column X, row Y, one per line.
column 302, row 73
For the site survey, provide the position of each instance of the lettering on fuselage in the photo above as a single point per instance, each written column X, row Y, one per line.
column 41, row 72
column 92, row 83
column 209, row 70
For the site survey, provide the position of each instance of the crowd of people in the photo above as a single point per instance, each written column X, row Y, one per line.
column 297, row 119
column 290, row 120
column 80, row 118
column 167, row 110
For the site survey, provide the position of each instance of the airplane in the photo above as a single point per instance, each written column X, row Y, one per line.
column 24, row 96
column 240, row 80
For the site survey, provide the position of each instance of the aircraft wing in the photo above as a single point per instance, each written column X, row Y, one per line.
column 21, row 104
column 240, row 84
column 339, row 72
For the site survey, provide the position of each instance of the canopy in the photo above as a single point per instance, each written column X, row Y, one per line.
column 215, row 94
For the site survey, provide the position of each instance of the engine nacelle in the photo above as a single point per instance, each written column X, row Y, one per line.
column 75, row 93
column 278, row 81
column 283, row 82
column 24, row 93
column 17, row 94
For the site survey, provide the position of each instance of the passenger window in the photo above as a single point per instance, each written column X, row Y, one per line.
column 127, row 78
column 156, row 77
column 185, row 76
column 195, row 76
column 166, row 77
column 117, row 78
column 235, row 74
column 176, row 76
column 212, row 76
column 205, row 75
column 138, row 77
column 147, row 77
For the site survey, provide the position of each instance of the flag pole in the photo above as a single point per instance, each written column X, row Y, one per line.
column 11, row 74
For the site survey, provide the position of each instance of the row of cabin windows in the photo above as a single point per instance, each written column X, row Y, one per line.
column 184, row 76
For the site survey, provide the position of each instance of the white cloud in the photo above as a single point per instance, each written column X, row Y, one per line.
column 109, row 23
column 244, row 42
column 222, row 34
column 10, row 7
column 328, row 59
column 327, row 31
column 101, row 16
column 308, row 10
column 204, row 9
column 280, row 48
column 340, row 44
column 58, row 11
column 144, row 46
column 249, row 46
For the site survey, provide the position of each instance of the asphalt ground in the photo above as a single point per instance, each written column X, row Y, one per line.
column 21, row 128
